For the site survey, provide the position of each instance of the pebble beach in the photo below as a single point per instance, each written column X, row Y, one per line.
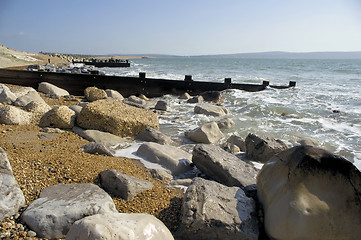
column 41, row 159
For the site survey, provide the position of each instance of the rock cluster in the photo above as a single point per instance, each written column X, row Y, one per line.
column 301, row 192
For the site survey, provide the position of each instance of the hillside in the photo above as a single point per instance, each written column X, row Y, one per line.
column 14, row 58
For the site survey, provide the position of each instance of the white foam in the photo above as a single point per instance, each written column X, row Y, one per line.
column 341, row 127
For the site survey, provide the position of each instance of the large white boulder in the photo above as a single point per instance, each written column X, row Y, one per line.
column 309, row 193
column 212, row 211
column 30, row 96
column 209, row 109
column 59, row 206
column 172, row 158
column 223, row 166
column 114, row 94
column 122, row 185
column 100, row 137
column 262, row 148
column 119, row 226
column 52, row 90
column 152, row 135
column 207, row 133
column 11, row 196
column 11, row 115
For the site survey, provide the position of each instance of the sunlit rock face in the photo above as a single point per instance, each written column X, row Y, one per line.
column 309, row 193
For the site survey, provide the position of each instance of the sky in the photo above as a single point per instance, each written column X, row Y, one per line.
column 180, row 27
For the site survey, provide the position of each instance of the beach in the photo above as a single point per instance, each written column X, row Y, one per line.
column 39, row 160
column 216, row 140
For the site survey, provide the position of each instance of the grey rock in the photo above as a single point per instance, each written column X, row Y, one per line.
column 94, row 93
column 213, row 96
column 51, row 130
column 213, row 211
column 52, row 90
column 226, row 123
column 133, row 104
column 161, row 105
column 31, row 96
column 59, row 206
column 96, row 148
column 47, row 136
column 152, row 135
column 37, row 107
column 207, row 133
column 181, row 182
column 261, row 149
column 136, row 100
column 309, row 193
column 238, row 141
column 122, row 185
column 172, row 158
column 209, row 110
column 114, row 94
column 76, row 108
column 161, row 174
column 6, row 95
column 11, row 196
column 100, row 137
column 223, row 166
column 197, row 99
column 135, row 226
column 11, row 115
column 231, row 148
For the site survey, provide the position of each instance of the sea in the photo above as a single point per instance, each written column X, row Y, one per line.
column 324, row 107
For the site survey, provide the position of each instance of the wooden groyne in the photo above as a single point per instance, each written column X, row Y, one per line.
column 151, row 87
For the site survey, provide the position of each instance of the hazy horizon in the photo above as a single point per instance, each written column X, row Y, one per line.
column 186, row 28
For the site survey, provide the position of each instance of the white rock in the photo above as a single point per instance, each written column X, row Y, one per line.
column 114, row 94
column 119, row 226
column 172, row 158
column 261, row 149
column 11, row 115
column 11, row 196
column 31, row 96
column 225, row 123
column 136, row 100
column 223, row 166
column 59, row 206
column 213, row 211
column 6, row 96
column 122, row 185
column 209, row 110
column 309, row 193
column 52, row 90
column 207, row 133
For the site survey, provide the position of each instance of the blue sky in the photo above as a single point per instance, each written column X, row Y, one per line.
column 187, row 27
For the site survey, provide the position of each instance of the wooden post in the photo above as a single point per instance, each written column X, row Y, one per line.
column 228, row 81
column 142, row 75
column 265, row 83
column 292, row 84
column 188, row 78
